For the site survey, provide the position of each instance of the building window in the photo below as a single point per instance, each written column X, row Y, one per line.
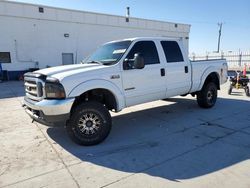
column 67, row 58
column 41, row 10
column 5, row 57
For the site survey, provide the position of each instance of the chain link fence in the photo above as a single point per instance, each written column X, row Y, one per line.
column 235, row 60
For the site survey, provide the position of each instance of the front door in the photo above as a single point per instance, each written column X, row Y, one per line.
column 147, row 84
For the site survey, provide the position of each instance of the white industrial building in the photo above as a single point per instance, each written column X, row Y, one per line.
column 37, row 36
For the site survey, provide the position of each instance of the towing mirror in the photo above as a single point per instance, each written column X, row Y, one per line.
column 138, row 61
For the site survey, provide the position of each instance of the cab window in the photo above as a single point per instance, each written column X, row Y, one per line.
column 172, row 51
column 148, row 51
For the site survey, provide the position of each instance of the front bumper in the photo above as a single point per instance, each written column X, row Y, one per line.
column 48, row 111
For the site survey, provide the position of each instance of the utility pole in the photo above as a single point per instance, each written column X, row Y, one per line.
column 128, row 14
column 220, row 26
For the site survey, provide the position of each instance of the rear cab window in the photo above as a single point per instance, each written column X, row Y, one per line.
column 172, row 51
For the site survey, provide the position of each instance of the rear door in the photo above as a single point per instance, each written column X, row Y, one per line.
column 149, row 83
column 178, row 69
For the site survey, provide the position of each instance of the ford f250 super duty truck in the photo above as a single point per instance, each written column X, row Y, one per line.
column 117, row 75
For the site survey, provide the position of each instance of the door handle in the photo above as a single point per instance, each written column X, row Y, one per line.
column 186, row 69
column 162, row 72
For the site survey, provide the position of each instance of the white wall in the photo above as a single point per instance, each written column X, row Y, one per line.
column 31, row 36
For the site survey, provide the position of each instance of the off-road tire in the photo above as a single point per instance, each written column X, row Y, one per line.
column 206, row 98
column 88, row 117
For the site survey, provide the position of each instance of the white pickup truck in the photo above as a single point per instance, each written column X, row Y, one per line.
column 117, row 75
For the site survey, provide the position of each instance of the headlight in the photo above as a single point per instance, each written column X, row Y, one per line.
column 54, row 90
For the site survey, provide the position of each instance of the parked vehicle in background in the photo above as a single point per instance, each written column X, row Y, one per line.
column 239, row 81
column 117, row 75
column 231, row 73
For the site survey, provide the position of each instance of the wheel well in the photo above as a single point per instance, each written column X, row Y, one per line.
column 213, row 77
column 103, row 96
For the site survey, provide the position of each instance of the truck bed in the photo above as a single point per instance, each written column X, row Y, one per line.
column 200, row 67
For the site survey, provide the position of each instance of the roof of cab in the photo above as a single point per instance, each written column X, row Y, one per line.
column 147, row 38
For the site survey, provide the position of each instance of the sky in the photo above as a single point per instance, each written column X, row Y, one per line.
column 203, row 15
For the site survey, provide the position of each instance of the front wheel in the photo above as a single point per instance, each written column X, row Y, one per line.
column 89, row 124
column 206, row 98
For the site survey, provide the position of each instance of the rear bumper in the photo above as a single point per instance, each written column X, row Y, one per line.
column 48, row 111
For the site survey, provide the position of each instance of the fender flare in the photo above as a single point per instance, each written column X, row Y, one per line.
column 205, row 74
column 99, row 84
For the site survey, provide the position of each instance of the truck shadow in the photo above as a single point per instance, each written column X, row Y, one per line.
column 175, row 141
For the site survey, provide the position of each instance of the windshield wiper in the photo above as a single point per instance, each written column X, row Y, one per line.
column 108, row 63
column 96, row 62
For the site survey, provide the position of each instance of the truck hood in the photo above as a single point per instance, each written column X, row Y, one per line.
column 71, row 76
column 61, row 72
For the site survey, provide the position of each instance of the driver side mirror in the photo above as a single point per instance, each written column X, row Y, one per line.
column 138, row 61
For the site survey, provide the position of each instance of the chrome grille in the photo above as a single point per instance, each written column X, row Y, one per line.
column 33, row 88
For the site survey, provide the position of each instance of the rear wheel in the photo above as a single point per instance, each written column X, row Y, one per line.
column 90, row 123
column 206, row 98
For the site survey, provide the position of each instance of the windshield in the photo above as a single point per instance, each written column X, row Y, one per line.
column 108, row 54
